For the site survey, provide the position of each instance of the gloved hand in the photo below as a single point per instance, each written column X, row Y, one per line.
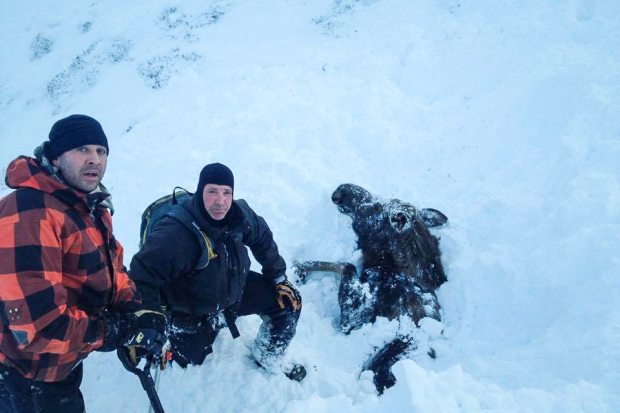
column 287, row 295
column 141, row 332
column 148, row 333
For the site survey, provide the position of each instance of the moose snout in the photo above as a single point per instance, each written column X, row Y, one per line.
column 337, row 197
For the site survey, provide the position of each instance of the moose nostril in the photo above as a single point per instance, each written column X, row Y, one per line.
column 336, row 197
column 399, row 220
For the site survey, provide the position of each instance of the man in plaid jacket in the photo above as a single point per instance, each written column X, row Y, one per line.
column 64, row 291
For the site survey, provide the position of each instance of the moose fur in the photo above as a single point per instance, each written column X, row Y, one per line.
column 401, row 269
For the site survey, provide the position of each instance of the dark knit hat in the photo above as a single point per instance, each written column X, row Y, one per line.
column 74, row 131
column 215, row 173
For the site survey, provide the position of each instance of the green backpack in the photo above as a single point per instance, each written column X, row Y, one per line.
column 170, row 206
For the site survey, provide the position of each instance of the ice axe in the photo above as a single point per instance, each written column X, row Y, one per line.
column 144, row 374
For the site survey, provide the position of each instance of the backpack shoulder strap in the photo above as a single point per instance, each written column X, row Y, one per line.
column 181, row 215
column 154, row 212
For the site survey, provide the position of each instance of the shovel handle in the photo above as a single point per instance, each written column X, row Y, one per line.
column 145, row 377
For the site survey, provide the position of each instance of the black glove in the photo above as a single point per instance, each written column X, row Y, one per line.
column 117, row 326
column 143, row 332
column 149, row 332
column 288, row 296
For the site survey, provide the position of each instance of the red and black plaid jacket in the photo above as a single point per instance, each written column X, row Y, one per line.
column 60, row 267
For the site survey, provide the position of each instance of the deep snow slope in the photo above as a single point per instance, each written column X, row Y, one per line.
column 502, row 114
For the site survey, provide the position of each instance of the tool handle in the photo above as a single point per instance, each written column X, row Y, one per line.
column 146, row 380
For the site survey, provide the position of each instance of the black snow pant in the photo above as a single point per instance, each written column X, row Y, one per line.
column 21, row 395
column 192, row 337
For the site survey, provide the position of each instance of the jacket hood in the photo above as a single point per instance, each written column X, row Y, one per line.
column 39, row 173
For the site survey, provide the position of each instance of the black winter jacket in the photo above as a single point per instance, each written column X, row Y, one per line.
column 164, row 268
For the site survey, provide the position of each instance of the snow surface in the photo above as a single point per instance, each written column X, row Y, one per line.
column 504, row 115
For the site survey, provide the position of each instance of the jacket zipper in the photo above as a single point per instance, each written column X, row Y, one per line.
column 228, row 266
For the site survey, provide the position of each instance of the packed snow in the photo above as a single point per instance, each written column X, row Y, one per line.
column 504, row 115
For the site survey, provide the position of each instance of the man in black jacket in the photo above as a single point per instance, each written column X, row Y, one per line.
column 203, row 301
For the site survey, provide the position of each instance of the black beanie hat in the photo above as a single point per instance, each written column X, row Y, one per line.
column 73, row 131
column 215, row 173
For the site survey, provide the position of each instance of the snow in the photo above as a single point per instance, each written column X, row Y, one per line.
column 504, row 115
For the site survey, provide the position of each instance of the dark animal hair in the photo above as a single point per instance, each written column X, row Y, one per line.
column 401, row 270
column 392, row 235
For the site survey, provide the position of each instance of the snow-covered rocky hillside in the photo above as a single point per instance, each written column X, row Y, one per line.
column 504, row 115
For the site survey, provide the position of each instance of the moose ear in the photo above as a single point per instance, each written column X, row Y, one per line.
column 398, row 221
column 432, row 218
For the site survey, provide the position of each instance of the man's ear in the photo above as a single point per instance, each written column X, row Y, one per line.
column 55, row 162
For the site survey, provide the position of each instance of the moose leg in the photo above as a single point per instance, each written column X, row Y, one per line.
column 304, row 268
column 357, row 298
column 381, row 362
